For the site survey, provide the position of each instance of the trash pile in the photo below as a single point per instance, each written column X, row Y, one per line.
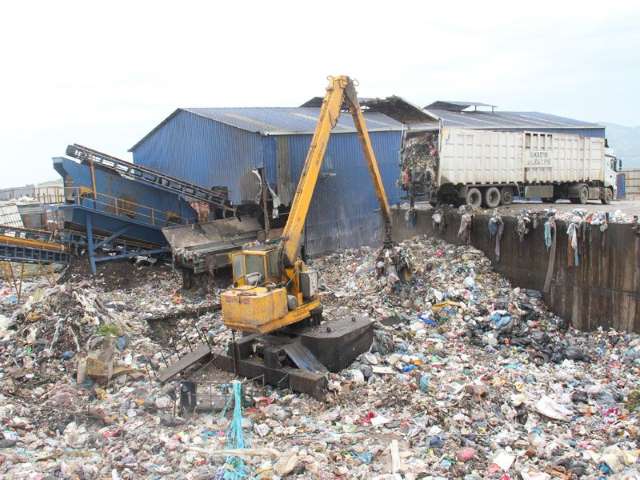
column 419, row 163
column 480, row 378
column 576, row 214
column 77, row 363
column 468, row 377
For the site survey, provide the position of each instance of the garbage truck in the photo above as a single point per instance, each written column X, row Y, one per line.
column 490, row 168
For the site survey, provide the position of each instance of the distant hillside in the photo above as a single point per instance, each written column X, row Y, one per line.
column 625, row 142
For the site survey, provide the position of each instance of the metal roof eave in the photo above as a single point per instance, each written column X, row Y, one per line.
column 429, row 112
column 333, row 132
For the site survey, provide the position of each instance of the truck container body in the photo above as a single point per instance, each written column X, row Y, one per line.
column 487, row 157
column 491, row 167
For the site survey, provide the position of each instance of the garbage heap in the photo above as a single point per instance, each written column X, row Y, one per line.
column 468, row 377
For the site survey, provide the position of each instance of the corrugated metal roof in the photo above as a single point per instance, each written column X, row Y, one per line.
column 288, row 121
column 281, row 120
column 302, row 120
column 450, row 112
column 528, row 120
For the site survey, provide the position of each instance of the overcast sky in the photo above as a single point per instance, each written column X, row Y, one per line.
column 104, row 74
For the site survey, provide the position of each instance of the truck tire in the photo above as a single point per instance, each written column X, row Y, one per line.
column 584, row 195
column 474, row 197
column 492, row 197
column 607, row 196
column 507, row 196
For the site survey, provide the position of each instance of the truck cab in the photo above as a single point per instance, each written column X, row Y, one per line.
column 611, row 168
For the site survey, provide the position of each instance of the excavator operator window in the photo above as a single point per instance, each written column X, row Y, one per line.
column 255, row 264
column 272, row 261
column 238, row 267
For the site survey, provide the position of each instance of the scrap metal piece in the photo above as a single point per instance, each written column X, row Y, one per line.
column 303, row 358
column 205, row 246
column 200, row 354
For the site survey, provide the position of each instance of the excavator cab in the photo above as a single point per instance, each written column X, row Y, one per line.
column 260, row 302
column 256, row 266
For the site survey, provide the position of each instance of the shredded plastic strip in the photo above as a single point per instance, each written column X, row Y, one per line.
column 235, row 466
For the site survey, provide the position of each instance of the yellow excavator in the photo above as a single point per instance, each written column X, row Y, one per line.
column 275, row 293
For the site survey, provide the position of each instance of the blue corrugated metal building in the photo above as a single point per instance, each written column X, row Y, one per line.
column 220, row 147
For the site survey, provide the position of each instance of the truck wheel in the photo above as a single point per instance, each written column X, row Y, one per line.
column 507, row 196
column 608, row 196
column 474, row 197
column 584, row 195
column 492, row 197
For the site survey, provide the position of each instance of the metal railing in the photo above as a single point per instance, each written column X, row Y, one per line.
column 49, row 195
column 43, row 195
column 85, row 197
column 11, row 211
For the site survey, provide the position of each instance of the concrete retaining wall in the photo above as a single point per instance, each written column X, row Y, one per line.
column 603, row 291
column 632, row 184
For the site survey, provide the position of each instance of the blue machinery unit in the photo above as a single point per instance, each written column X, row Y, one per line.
column 112, row 204
column 104, row 231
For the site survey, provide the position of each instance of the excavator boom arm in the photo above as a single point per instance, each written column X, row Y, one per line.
column 372, row 163
column 340, row 88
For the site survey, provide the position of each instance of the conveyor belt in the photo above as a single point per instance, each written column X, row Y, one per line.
column 217, row 196
column 26, row 233
column 32, row 243
column 22, row 254
column 30, row 246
